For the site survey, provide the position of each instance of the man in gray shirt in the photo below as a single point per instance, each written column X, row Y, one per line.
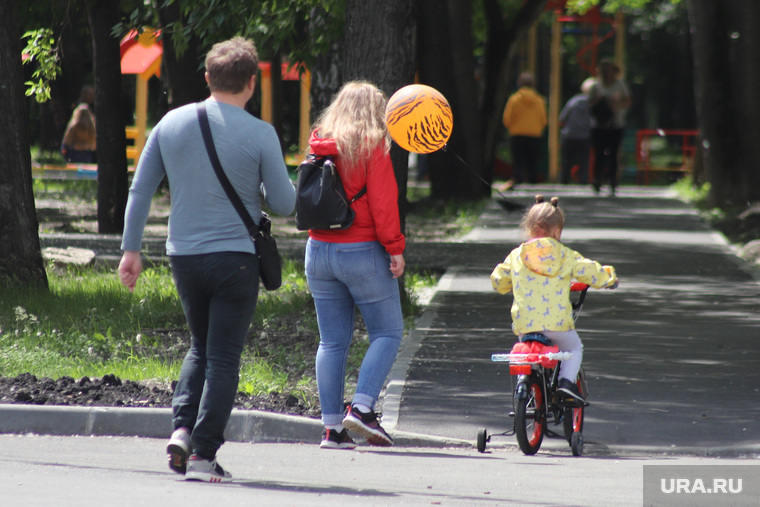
column 212, row 255
column 575, row 120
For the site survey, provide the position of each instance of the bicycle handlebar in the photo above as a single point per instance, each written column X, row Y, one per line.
column 583, row 289
column 534, row 358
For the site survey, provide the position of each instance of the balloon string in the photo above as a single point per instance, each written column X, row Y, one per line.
column 447, row 150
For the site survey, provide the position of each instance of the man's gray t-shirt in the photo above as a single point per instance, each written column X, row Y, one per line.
column 576, row 118
column 202, row 218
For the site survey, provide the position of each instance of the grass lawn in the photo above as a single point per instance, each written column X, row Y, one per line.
column 88, row 325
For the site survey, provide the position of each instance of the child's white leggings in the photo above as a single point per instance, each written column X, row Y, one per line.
column 568, row 341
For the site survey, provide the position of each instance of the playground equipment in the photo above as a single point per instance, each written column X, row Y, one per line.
column 599, row 29
column 288, row 72
column 140, row 55
column 646, row 161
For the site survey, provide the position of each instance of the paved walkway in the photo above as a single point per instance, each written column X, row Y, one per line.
column 671, row 356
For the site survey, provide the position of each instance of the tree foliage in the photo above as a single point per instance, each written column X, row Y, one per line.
column 275, row 26
column 42, row 51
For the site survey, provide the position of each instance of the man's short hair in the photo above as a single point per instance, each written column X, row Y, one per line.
column 230, row 64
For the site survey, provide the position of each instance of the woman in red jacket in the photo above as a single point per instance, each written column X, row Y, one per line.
column 358, row 266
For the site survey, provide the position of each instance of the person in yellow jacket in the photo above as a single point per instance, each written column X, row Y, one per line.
column 539, row 273
column 525, row 119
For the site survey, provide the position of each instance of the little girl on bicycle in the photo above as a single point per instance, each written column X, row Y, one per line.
column 539, row 273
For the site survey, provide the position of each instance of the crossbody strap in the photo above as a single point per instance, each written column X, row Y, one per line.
column 361, row 193
column 208, row 140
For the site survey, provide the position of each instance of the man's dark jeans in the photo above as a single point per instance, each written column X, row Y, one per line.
column 218, row 292
column 606, row 143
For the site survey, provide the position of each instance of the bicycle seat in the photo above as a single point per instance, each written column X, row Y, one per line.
column 535, row 337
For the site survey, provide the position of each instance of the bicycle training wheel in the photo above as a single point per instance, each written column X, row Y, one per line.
column 572, row 418
column 483, row 439
column 530, row 419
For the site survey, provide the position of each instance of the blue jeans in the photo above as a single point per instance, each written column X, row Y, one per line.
column 342, row 276
column 218, row 292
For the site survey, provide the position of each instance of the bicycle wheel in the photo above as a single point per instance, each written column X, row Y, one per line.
column 530, row 418
column 572, row 418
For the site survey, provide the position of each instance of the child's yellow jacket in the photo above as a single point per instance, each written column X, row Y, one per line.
column 539, row 274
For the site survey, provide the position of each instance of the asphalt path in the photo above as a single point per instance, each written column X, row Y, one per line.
column 40, row 471
column 671, row 356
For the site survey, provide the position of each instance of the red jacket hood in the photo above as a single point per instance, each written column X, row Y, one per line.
column 322, row 146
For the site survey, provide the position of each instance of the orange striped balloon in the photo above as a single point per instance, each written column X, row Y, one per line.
column 419, row 118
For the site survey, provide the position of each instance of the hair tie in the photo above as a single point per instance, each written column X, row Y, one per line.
column 555, row 201
column 539, row 199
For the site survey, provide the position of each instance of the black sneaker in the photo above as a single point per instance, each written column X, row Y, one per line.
column 332, row 439
column 367, row 426
column 570, row 389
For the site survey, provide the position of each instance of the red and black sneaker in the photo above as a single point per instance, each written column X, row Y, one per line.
column 367, row 426
column 332, row 439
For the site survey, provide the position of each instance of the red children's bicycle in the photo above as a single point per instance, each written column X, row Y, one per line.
column 537, row 403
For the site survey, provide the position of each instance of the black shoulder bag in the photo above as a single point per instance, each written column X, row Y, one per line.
column 270, row 269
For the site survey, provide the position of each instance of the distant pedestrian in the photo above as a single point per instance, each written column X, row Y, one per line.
column 525, row 119
column 539, row 273
column 212, row 256
column 79, row 140
column 575, row 121
column 609, row 99
column 358, row 266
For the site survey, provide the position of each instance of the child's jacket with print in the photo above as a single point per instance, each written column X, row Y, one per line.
column 539, row 273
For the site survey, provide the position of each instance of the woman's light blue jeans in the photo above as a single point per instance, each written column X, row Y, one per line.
column 341, row 277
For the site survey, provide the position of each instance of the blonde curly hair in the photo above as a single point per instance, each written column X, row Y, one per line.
column 356, row 120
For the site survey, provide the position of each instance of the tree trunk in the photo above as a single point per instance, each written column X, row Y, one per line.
column 277, row 96
column 501, row 44
column 447, row 64
column 102, row 15
column 726, row 53
column 379, row 46
column 20, row 255
column 183, row 73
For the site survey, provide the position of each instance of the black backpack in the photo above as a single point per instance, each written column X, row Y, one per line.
column 321, row 201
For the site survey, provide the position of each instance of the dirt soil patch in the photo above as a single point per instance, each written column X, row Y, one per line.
column 111, row 391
